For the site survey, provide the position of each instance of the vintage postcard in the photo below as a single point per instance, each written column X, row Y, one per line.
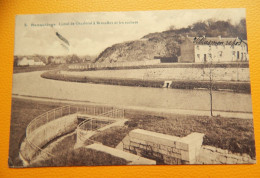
column 131, row 88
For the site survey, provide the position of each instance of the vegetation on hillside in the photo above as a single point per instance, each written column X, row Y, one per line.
column 167, row 43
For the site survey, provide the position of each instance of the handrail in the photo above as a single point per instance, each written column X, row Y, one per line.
column 27, row 133
column 115, row 110
column 44, row 118
column 35, row 119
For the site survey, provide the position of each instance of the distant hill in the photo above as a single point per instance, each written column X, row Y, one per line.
column 167, row 43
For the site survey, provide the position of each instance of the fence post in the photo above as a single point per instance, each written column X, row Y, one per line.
column 54, row 114
column 85, row 110
column 61, row 111
column 47, row 116
column 69, row 110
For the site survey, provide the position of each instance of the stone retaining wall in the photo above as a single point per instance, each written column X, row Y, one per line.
column 213, row 155
column 164, row 148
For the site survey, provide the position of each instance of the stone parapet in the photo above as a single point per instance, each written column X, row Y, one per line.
column 165, row 148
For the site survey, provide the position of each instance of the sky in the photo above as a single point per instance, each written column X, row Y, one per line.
column 36, row 34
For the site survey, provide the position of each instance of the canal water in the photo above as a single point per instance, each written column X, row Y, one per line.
column 31, row 84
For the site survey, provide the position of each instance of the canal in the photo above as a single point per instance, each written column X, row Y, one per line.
column 31, row 84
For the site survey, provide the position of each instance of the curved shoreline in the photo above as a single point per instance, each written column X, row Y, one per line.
column 239, row 87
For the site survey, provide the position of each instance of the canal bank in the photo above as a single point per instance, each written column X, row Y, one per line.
column 234, row 86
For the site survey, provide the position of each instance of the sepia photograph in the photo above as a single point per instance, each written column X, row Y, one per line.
column 166, row 87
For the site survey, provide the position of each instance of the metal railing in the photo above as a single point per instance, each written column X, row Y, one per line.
column 93, row 124
column 64, row 111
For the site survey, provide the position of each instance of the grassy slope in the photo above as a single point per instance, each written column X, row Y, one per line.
column 23, row 111
column 236, row 135
column 65, row 155
column 81, row 157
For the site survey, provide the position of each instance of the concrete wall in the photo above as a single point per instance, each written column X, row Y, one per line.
column 164, row 148
column 44, row 134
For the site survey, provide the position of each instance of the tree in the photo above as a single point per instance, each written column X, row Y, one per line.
column 210, row 87
column 172, row 27
column 209, row 65
column 74, row 59
column 50, row 59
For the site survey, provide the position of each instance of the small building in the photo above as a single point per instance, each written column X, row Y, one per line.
column 25, row 61
column 167, row 59
column 57, row 59
column 215, row 49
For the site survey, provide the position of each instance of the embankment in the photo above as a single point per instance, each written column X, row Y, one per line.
column 124, row 66
column 242, row 87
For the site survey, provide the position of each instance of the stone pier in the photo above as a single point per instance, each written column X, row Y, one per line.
column 165, row 148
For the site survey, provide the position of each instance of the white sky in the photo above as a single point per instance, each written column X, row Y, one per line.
column 93, row 39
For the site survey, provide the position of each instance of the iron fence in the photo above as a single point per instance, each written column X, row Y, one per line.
column 64, row 111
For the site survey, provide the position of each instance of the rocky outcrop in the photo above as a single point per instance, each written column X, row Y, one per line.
column 139, row 50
